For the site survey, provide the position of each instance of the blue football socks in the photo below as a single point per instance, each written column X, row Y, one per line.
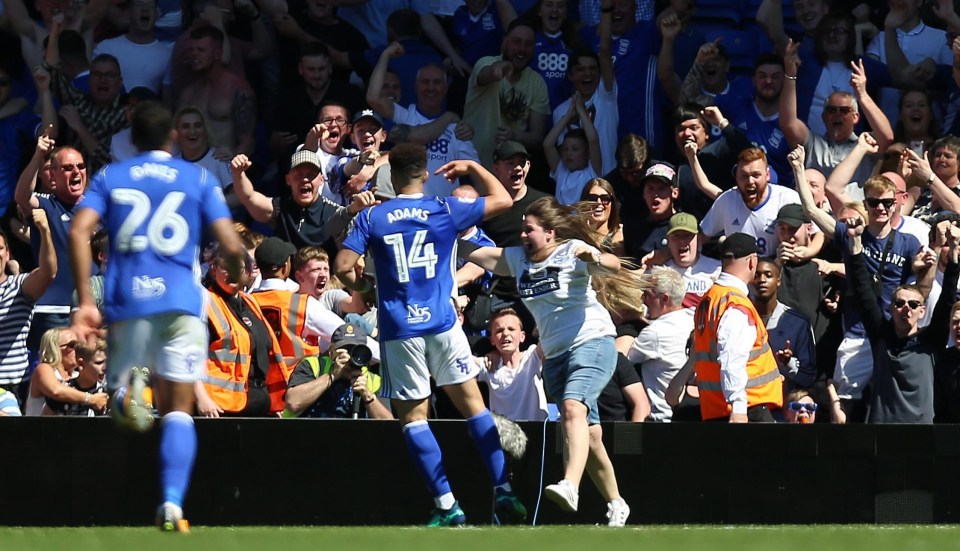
column 178, row 449
column 484, row 433
column 426, row 455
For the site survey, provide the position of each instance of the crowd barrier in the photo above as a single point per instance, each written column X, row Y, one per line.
column 84, row 472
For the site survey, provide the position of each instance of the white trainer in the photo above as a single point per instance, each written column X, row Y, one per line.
column 617, row 513
column 563, row 494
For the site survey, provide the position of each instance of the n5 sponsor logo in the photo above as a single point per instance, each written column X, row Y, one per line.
column 418, row 314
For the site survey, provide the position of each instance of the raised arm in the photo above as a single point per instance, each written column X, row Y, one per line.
column 383, row 106
column 507, row 12
column 861, row 282
column 942, row 195
column 422, row 134
column 496, row 198
column 793, row 128
column 257, row 204
column 940, row 320
column 699, row 176
column 39, row 279
column 842, row 174
column 770, row 19
column 879, row 123
column 27, row 182
column 550, row 148
column 593, row 138
column 491, row 259
column 495, row 72
column 605, row 47
column 19, row 18
column 824, row 221
column 434, row 31
column 669, row 79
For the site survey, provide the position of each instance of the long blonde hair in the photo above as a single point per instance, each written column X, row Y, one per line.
column 618, row 291
column 50, row 346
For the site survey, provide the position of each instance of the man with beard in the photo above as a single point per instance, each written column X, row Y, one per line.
column 759, row 116
column 506, row 99
column 752, row 207
column 303, row 218
column 307, row 103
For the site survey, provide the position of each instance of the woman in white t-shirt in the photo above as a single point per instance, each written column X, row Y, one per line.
column 554, row 270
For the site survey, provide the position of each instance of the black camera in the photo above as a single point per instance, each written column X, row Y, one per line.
column 360, row 355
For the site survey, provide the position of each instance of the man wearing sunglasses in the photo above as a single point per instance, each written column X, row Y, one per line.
column 840, row 115
column 887, row 254
column 903, row 353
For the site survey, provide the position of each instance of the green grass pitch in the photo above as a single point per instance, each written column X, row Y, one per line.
column 552, row 538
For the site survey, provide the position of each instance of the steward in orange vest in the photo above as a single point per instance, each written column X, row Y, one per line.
column 285, row 311
column 230, row 354
column 763, row 384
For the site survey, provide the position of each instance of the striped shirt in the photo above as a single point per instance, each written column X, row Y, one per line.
column 16, row 313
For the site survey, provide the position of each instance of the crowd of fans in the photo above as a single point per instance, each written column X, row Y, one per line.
column 824, row 130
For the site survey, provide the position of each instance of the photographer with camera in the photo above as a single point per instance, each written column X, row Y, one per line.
column 338, row 384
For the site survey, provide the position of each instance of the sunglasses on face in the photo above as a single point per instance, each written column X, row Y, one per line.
column 833, row 109
column 605, row 198
column 913, row 304
column 69, row 346
column 797, row 406
column 873, row 202
column 69, row 168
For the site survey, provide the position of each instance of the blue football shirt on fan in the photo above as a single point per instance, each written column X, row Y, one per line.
column 413, row 241
column 154, row 208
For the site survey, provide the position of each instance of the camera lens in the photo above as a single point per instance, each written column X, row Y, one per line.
column 360, row 355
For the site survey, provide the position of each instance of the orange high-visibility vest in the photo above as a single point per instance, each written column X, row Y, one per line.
column 229, row 359
column 764, row 385
column 286, row 314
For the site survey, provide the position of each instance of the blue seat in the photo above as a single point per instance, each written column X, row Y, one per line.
column 742, row 46
column 722, row 11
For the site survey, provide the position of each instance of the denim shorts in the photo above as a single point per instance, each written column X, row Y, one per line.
column 581, row 373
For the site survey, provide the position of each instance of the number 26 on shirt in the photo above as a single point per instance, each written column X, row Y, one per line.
column 167, row 231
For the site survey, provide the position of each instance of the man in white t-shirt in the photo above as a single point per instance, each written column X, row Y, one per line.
column 699, row 272
column 515, row 378
column 144, row 60
column 661, row 347
column 431, row 87
column 752, row 207
column 594, row 79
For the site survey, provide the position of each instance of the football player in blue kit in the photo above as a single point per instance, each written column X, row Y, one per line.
column 413, row 241
column 153, row 208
